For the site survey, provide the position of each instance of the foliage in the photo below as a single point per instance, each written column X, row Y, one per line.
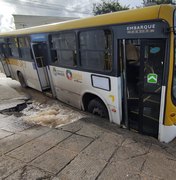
column 148, row 2
column 108, row 6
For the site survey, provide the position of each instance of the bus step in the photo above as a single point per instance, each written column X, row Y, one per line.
column 48, row 93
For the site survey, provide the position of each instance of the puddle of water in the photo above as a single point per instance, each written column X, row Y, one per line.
column 53, row 116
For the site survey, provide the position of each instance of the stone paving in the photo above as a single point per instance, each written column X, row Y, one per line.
column 86, row 149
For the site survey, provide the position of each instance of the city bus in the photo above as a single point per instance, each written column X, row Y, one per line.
column 120, row 66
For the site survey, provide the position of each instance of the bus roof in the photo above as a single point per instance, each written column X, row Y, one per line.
column 134, row 15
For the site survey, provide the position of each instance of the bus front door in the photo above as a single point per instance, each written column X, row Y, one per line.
column 40, row 54
column 144, row 89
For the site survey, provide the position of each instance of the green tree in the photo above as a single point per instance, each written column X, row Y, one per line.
column 148, row 2
column 108, row 6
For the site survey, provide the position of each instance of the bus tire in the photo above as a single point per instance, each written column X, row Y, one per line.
column 22, row 80
column 97, row 107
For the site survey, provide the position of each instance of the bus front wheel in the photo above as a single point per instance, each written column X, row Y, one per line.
column 22, row 80
column 97, row 107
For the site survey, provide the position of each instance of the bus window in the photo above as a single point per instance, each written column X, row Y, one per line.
column 13, row 47
column 96, row 50
column 24, row 46
column 54, row 56
column 3, row 48
column 1, row 51
column 132, row 65
column 64, row 49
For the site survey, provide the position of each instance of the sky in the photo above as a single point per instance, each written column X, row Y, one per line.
column 66, row 8
column 132, row 3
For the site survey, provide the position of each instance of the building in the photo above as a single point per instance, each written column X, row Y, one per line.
column 25, row 21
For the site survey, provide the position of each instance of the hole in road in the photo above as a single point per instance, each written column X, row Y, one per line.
column 16, row 111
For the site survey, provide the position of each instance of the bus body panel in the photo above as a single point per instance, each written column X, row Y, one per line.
column 170, row 107
column 2, row 68
column 31, row 76
column 166, row 133
column 72, row 85
column 167, row 14
column 16, row 65
column 28, row 71
column 167, row 127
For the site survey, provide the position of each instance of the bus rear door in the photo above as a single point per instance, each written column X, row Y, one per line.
column 39, row 48
column 39, row 51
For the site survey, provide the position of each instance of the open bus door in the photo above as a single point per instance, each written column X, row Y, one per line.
column 143, row 85
column 3, row 61
column 40, row 55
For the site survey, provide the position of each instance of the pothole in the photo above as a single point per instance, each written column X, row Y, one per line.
column 52, row 115
column 16, row 111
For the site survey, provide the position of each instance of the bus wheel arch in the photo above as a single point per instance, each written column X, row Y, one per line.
column 21, row 79
column 95, row 105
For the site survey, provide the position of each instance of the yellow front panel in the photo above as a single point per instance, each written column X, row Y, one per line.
column 170, row 108
column 170, row 113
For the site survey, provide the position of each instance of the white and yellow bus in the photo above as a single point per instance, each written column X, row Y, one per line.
column 120, row 66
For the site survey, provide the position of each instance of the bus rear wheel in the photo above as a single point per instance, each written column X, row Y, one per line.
column 22, row 80
column 97, row 107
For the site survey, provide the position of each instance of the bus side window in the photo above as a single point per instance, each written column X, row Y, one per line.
column 25, row 49
column 5, row 50
column 63, row 49
column 13, row 47
column 53, row 49
column 96, row 49
column 1, row 51
column 54, row 55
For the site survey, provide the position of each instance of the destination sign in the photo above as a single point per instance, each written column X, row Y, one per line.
column 152, row 29
column 144, row 28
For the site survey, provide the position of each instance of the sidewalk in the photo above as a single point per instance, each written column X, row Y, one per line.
column 9, row 96
column 86, row 149
column 89, row 148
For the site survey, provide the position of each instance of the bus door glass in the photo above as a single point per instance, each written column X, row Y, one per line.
column 152, row 64
column 144, row 73
column 3, row 60
column 40, row 54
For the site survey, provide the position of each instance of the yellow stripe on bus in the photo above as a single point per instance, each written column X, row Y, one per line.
column 16, row 62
